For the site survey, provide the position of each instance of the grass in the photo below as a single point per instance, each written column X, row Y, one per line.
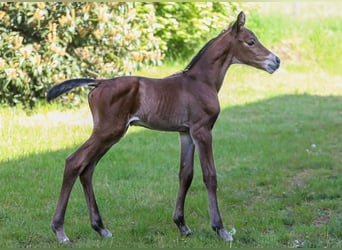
column 277, row 146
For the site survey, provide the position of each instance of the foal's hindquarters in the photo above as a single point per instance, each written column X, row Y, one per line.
column 108, row 104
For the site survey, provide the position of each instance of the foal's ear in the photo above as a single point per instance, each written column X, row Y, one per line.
column 239, row 23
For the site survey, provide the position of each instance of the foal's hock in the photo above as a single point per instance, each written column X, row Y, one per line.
column 186, row 102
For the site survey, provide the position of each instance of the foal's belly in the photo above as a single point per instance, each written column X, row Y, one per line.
column 159, row 124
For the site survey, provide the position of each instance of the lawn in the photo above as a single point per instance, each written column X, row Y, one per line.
column 277, row 148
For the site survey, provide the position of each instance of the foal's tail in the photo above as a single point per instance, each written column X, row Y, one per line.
column 68, row 85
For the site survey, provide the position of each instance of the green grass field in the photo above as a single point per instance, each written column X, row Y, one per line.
column 277, row 148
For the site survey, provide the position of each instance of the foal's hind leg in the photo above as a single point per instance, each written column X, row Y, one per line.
column 94, row 213
column 185, row 179
column 57, row 224
column 83, row 162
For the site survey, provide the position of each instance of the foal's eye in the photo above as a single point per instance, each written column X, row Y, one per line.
column 250, row 43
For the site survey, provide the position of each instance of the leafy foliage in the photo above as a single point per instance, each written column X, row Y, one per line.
column 48, row 42
column 185, row 26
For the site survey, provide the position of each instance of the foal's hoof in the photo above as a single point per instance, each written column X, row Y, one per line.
column 61, row 236
column 225, row 236
column 185, row 231
column 64, row 241
column 105, row 233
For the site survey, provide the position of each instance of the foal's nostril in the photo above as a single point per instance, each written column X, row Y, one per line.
column 278, row 60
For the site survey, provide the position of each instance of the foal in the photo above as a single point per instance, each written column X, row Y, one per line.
column 186, row 102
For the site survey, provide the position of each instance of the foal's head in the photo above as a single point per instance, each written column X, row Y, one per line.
column 248, row 50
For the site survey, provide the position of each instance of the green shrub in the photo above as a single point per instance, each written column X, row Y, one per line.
column 187, row 26
column 45, row 43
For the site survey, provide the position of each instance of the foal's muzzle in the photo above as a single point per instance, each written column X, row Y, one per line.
column 272, row 63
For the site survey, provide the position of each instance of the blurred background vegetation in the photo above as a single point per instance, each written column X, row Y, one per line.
column 44, row 43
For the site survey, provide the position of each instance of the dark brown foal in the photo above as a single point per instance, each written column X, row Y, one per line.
column 186, row 102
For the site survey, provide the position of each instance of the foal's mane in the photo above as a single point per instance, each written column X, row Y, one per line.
column 196, row 58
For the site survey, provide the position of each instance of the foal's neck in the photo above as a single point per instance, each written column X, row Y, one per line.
column 214, row 62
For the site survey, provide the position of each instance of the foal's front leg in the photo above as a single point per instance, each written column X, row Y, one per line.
column 185, row 178
column 203, row 140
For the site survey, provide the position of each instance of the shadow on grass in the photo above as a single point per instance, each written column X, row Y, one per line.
column 279, row 169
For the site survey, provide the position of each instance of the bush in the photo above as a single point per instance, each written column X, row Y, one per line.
column 48, row 42
column 187, row 26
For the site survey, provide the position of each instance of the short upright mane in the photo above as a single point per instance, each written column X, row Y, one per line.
column 201, row 52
